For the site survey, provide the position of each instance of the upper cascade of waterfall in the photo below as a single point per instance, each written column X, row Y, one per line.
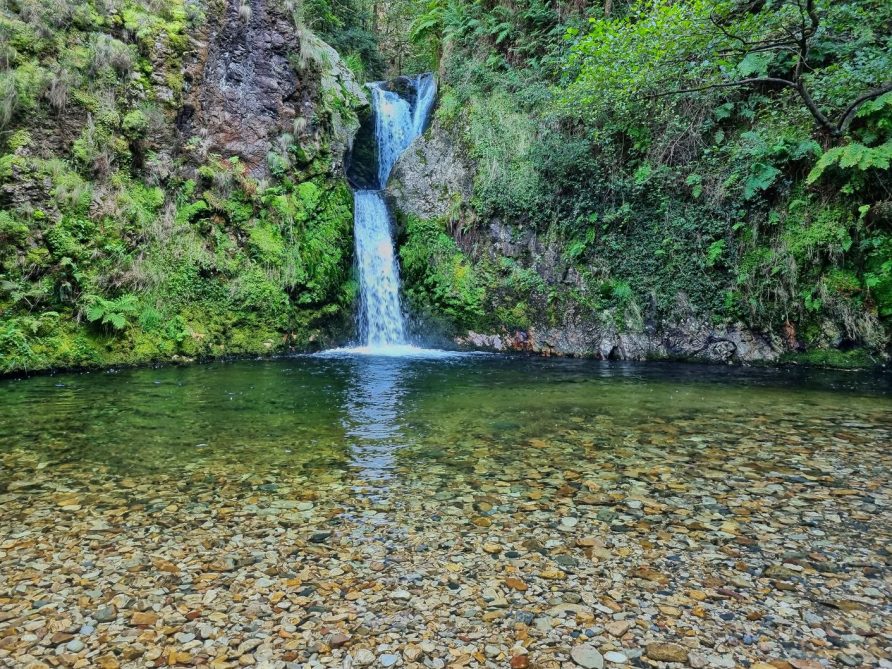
column 398, row 119
column 399, row 112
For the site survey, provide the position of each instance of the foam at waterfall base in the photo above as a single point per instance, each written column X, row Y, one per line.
column 394, row 351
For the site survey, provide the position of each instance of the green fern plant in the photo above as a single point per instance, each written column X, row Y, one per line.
column 111, row 313
column 428, row 24
column 714, row 252
column 854, row 157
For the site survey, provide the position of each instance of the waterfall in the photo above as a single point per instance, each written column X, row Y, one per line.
column 394, row 129
column 381, row 317
column 397, row 122
column 425, row 94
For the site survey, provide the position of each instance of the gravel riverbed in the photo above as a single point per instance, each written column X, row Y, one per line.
column 766, row 543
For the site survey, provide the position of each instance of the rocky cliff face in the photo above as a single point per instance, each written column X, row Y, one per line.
column 431, row 176
column 538, row 304
column 255, row 77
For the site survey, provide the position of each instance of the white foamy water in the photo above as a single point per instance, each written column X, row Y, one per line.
column 396, row 351
column 381, row 316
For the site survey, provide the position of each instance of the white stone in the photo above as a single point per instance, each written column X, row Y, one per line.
column 587, row 657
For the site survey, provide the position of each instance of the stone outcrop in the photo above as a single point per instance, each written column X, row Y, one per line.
column 690, row 339
column 435, row 176
column 432, row 175
column 256, row 77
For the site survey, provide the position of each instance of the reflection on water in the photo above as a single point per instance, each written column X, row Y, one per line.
column 371, row 421
column 373, row 406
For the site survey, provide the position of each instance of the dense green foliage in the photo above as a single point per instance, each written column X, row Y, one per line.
column 441, row 281
column 724, row 160
column 644, row 162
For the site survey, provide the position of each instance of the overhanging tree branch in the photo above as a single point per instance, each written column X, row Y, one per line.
column 849, row 114
column 794, row 38
column 727, row 84
column 820, row 117
column 815, row 111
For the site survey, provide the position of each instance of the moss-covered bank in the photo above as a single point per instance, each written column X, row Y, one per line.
column 155, row 203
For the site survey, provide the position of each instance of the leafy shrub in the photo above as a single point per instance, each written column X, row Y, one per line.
column 110, row 53
column 441, row 279
column 135, row 124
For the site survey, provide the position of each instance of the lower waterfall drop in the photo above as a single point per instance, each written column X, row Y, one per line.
column 381, row 321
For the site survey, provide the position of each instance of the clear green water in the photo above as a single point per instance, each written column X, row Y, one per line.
column 381, row 419
column 335, row 481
